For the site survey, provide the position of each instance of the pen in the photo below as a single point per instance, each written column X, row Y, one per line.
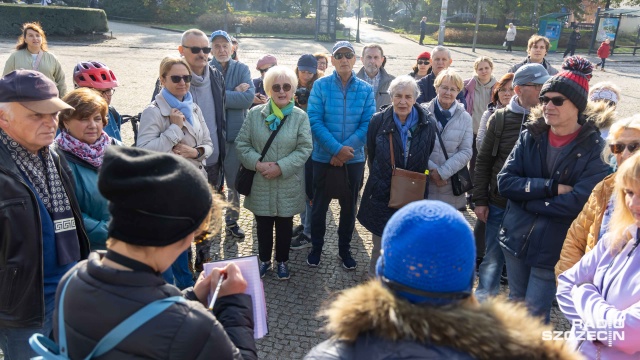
column 215, row 293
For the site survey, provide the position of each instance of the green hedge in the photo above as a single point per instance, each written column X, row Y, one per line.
column 258, row 24
column 139, row 10
column 55, row 20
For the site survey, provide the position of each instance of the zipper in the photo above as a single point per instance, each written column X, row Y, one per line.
column 13, row 202
column 526, row 241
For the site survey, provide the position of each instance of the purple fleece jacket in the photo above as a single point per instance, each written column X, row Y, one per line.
column 605, row 289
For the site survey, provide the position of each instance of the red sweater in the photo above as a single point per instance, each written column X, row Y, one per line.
column 603, row 50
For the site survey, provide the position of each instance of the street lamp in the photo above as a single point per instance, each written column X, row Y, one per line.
column 358, row 26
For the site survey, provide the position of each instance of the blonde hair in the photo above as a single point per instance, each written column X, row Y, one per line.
column 618, row 127
column 167, row 63
column 280, row 71
column 534, row 39
column 482, row 59
column 627, row 176
column 85, row 102
column 451, row 75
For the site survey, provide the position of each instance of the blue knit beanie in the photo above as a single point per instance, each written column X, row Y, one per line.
column 428, row 246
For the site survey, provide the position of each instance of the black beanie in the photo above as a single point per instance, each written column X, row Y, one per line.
column 155, row 199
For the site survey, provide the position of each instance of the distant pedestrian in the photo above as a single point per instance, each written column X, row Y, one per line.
column 573, row 42
column 423, row 29
column 510, row 37
column 603, row 53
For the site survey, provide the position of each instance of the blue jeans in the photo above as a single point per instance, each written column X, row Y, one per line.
column 347, row 206
column 14, row 342
column 493, row 260
column 536, row 286
column 180, row 271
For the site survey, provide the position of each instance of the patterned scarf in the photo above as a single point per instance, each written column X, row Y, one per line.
column 409, row 123
column 92, row 154
column 277, row 114
column 185, row 106
column 43, row 175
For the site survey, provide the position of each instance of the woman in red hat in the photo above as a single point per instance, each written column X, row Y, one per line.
column 422, row 66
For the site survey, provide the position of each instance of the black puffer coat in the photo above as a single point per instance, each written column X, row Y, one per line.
column 99, row 298
column 374, row 212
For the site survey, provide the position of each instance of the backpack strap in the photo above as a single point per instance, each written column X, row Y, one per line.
column 499, row 119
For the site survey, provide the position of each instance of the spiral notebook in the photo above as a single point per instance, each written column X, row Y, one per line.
column 249, row 267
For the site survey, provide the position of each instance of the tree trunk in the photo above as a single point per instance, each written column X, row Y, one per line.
column 502, row 22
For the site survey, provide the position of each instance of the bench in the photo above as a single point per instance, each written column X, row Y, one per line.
column 635, row 48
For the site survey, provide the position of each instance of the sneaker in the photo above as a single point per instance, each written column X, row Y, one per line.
column 235, row 231
column 264, row 267
column 283, row 271
column 301, row 242
column 297, row 231
column 347, row 261
column 313, row 259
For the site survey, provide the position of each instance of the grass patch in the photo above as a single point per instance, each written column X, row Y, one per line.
column 178, row 27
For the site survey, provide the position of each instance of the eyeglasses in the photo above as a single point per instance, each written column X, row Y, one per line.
column 348, row 55
column 504, row 90
column 537, row 86
column 108, row 92
column 176, row 78
column 619, row 148
column 197, row 49
column 276, row 87
column 262, row 71
column 448, row 89
column 423, row 62
column 556, row 101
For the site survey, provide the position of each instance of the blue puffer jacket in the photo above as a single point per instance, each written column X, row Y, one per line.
column 340, row 116
column 536, row 220
column 94, row 207
column 374, row 212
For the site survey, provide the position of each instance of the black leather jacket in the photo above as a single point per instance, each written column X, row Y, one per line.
column 21, row 266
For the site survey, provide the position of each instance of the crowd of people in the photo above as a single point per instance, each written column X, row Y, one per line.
column 538, row 154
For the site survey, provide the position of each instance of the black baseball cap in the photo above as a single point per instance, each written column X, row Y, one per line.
column 32, row 90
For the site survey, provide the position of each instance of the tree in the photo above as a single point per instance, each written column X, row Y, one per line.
column 412, row 6
column 382, row 9
column 302, row 7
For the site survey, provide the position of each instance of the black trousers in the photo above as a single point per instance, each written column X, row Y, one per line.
column 265, row 237
column 422, row 34
column 570, row 49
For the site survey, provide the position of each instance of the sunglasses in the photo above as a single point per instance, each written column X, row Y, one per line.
column 619, row 148
column 108, row 92
column 423, row 62
column 556, row 101
column 276, row 88
column 176, row 78
column 339, row 56
column 262, row 71
column 196, row 49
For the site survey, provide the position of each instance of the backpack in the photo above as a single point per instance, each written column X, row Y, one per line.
column 499, row 119
column 49, row 350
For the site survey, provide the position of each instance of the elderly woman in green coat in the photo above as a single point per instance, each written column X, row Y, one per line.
column 277, row 193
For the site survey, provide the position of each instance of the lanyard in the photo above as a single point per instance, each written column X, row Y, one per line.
column 129, row 262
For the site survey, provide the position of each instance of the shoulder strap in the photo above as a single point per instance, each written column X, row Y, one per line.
column 499, row 119
column 393, row 158
column 273, row 135
column 131, row 324
column 439, row 136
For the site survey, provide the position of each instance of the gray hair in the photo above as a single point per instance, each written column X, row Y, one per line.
column 6, row 107
column 402, row 82
column 193, row 32
column 276, row 72
column 440, row 48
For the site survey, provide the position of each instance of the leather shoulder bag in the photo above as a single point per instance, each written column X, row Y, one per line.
column 406, row 186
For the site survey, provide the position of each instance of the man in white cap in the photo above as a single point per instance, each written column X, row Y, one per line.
column 42, row 232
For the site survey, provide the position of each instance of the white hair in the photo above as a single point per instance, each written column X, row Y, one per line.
column 7, row 108
column 402, row 82
column 440, row 48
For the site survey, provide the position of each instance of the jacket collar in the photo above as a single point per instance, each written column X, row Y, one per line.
column 537, row 126
column 390, row 125
column 165, row 111
column 492, row 330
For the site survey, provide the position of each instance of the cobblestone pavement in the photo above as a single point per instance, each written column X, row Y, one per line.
column 134, row 55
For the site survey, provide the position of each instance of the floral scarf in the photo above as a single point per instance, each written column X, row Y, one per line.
column 44, row 177
column 92, row 154
column 277, row 114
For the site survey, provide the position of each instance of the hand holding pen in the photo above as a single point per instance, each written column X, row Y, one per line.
column 229, row 280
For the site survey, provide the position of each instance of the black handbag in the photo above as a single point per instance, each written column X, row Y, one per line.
column 460, row 181
column 244, row 178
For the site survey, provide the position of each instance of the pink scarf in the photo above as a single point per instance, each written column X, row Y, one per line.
column 92, row 154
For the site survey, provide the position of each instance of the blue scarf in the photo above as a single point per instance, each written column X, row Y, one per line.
column 185, row 106
column 277, row 114
column 411, row 121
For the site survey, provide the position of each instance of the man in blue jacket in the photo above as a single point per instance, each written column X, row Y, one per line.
column 239, row 97
column 340, row 107
column 547, row 179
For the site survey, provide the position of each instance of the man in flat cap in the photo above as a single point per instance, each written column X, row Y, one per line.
column 41, row 228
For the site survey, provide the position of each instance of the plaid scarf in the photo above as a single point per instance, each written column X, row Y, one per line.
column 43, row 175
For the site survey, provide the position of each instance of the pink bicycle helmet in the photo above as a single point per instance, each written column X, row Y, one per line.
column 94, row 74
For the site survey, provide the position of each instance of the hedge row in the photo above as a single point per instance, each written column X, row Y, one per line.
column 139, row 10
column 258, row 24
column 54, row 20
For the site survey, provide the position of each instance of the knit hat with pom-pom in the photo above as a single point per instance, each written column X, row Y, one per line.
column 573, row 82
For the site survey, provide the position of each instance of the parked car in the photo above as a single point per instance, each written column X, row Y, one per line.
column 402, row 13
column 461, row 18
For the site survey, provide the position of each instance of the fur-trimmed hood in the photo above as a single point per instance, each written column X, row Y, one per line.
column 597, row 115
column 496, row 329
